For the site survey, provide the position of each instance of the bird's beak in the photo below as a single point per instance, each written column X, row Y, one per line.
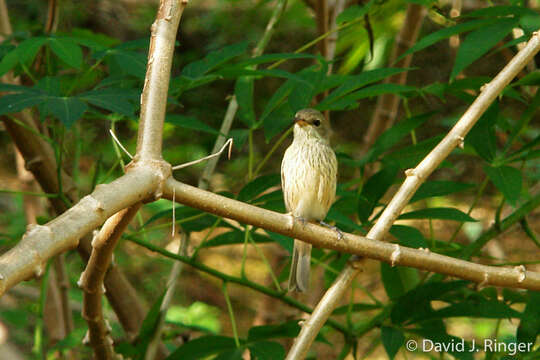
column 301, row 122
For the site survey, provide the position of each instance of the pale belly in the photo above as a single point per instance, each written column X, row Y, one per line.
column 309, row 181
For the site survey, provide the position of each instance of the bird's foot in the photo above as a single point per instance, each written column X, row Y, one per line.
column 331, row 227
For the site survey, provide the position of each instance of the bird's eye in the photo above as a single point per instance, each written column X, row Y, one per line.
column 317, row 122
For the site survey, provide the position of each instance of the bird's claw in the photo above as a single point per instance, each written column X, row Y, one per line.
column 331, row 227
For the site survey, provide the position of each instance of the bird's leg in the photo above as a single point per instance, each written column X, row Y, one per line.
column 302, row 220
column 331, row 227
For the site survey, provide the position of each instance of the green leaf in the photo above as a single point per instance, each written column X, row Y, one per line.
column 112, row 99
column 243, row 91
column 355, row 82
column 27, row 50
column 213, row 60
column 397, row 280
column 532, row 78
column 67, row 50
column 503, row 11
column 478, row 42
column 482, row 135
column 149, row 324
column 393, row 135
column 489, row 309
column 529, row 327
column 257, row 186
column 266, row 350
column 197, row 316
column 507, row 179
column 353, row 12
column 410, row 156
column 357, row 307
column 9, row 61
column 409, row 236
column 289, row 329
column 131, row 62
column 374, row 189
column 234, row 237
column 13, row 103
column 66, row 109
column 202, row 347
column 445, row 33
column 265, row 58
column 392, row 340
column 439, row 188
column 440, row 213
column 418, row 298
column 349, row 101
column 190, row 122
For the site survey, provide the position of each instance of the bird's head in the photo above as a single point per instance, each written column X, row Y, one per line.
column 311, row 123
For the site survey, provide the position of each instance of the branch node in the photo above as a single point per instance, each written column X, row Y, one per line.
column 92, row 202
column 522, row 273
column 484, row 282
column 411, row 172
column 461, row 141
column 483, row 87
column 395, row 255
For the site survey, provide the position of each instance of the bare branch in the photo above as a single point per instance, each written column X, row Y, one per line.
column 414, row 178
column 92, row 277
column 41, row 242
column 158, row 73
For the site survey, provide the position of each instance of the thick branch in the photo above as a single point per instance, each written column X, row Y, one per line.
column 91, row 280
column 158, row 73
column 415, row 177
column 41, row 242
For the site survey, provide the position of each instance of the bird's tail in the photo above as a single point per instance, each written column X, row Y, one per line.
column 300, row 266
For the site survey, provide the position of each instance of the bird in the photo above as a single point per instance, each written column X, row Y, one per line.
column 308, row 180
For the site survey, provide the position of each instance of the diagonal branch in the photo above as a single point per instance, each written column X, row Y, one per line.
column 92, row 278
column 415, row 177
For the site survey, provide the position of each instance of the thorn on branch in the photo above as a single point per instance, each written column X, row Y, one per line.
column 228, row 143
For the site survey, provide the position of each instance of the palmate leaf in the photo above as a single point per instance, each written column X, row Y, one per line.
column 204, row 346
column 266, row 350
column 439, row 188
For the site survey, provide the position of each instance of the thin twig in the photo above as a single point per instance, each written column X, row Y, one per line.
column 229, row 143
column 120, row 144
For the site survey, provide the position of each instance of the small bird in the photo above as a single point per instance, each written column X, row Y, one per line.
column 308, row 179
